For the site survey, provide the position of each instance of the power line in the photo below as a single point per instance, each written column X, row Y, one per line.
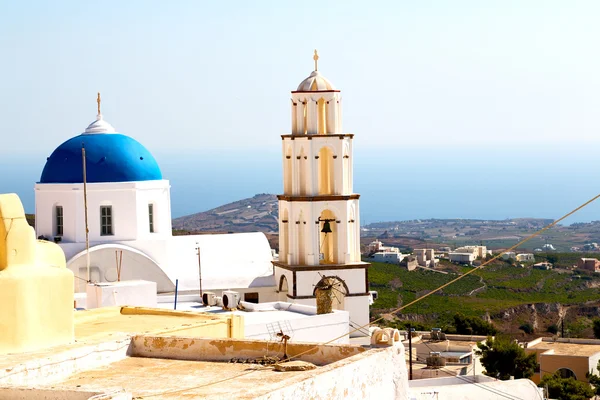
column 397, row 309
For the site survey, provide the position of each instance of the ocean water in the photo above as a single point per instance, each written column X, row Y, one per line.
column 394, row 184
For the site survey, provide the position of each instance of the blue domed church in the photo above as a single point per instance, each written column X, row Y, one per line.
column 126, row 205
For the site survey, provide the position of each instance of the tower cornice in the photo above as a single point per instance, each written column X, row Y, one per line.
column 311, row 137
column 330, row 197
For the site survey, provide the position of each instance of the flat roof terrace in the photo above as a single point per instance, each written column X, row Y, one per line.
column 184, row 368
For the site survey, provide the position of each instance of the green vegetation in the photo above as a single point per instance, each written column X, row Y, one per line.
column 566, row 388
column 490, row 290
column 473, row 326
column 503, row 358
column 596, row 327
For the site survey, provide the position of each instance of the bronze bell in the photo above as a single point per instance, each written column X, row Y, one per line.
column 326, row 228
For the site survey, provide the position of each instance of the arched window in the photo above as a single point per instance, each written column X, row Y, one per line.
column 301, row 226
column 321, row 117
column 287, row 171
column 347, row 188
column 284, row 243
column 566, row 373
column 326, row 170
column 302, row 172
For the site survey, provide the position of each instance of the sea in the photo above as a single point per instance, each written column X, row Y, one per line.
column 395, row 184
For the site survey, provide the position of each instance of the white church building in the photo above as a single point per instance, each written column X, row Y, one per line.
column 126, row 205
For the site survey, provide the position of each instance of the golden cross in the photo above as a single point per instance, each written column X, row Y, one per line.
column 316, row 58
column 98, row 100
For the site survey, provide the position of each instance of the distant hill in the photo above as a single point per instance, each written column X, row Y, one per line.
column 258, row 213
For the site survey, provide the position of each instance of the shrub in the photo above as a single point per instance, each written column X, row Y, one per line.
column 527, row 328
column 473, row 326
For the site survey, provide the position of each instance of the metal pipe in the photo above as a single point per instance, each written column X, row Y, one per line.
column 176, row 290
column 87, row 230
column 410, row 360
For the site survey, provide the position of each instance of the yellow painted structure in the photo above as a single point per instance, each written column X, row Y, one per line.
column 36, row 288
column 101, row 324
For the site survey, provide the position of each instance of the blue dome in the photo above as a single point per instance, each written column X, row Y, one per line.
column 110, row 157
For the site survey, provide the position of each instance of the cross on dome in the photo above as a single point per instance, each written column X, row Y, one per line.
column 315, row 81
column 99, row 125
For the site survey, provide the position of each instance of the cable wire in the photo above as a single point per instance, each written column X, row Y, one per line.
column 397, row 309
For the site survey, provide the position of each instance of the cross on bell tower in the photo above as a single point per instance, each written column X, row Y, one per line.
column 319, row 228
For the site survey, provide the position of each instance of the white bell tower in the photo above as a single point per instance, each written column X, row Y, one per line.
column 319, row 229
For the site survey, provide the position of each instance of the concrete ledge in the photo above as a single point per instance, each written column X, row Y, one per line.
column 55, row 365
column 206, row 349
column 29, row 393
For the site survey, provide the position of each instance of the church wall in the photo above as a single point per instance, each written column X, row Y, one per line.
column 160, row 198
column 310, row 147
column 348, row 234
column 129, row 209
column 354, row 279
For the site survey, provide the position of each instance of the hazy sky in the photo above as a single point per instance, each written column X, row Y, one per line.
column 214, row 78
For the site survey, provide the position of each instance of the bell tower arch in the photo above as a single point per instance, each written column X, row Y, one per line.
column 319, row 223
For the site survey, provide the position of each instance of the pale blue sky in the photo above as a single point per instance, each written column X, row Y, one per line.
column 213, row 78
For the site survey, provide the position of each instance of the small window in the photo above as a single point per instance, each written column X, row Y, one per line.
column 106, row 226
column 59, row 221
column 251, row 297
column 151, row 217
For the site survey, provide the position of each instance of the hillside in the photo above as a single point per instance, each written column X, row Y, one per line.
column 506, row 295
column 258, row 213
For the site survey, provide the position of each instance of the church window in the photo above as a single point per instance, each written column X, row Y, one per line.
column 59, row 220
column 106, row 225
column 151, row 216
column 251, row 297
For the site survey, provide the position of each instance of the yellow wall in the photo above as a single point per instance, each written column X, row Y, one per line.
column 550, row 363
column 36, row 289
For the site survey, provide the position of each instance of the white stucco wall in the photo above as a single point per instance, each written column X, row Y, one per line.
column 302, row 217
column 129, row 201
column 299, row 321
column 378, row 374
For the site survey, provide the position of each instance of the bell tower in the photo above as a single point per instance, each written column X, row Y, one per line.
column 319, row 229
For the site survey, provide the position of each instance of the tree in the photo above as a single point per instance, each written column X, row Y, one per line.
column 503, row 358
column 527, row 328
column 566, row 388
column 596, row 328
column 473, row 326
column 594, row 379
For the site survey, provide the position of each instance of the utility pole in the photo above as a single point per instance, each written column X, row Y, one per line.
column 199, row 270
column 410, row 361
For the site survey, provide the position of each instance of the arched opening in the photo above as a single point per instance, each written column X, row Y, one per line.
column 301, row 224
column 305, row 117
column 328, row 235
column 283, row 288
column 339, row 290
column 287, row 171
column 321, row 117
column 284, row 239
column 294, row 117
column 354, row 256
column 346, row 171
column 302, row 172
column 325, row 171
column 566, row 373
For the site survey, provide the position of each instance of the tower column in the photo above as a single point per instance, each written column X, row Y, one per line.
column 332, row 115
column 312, row 116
